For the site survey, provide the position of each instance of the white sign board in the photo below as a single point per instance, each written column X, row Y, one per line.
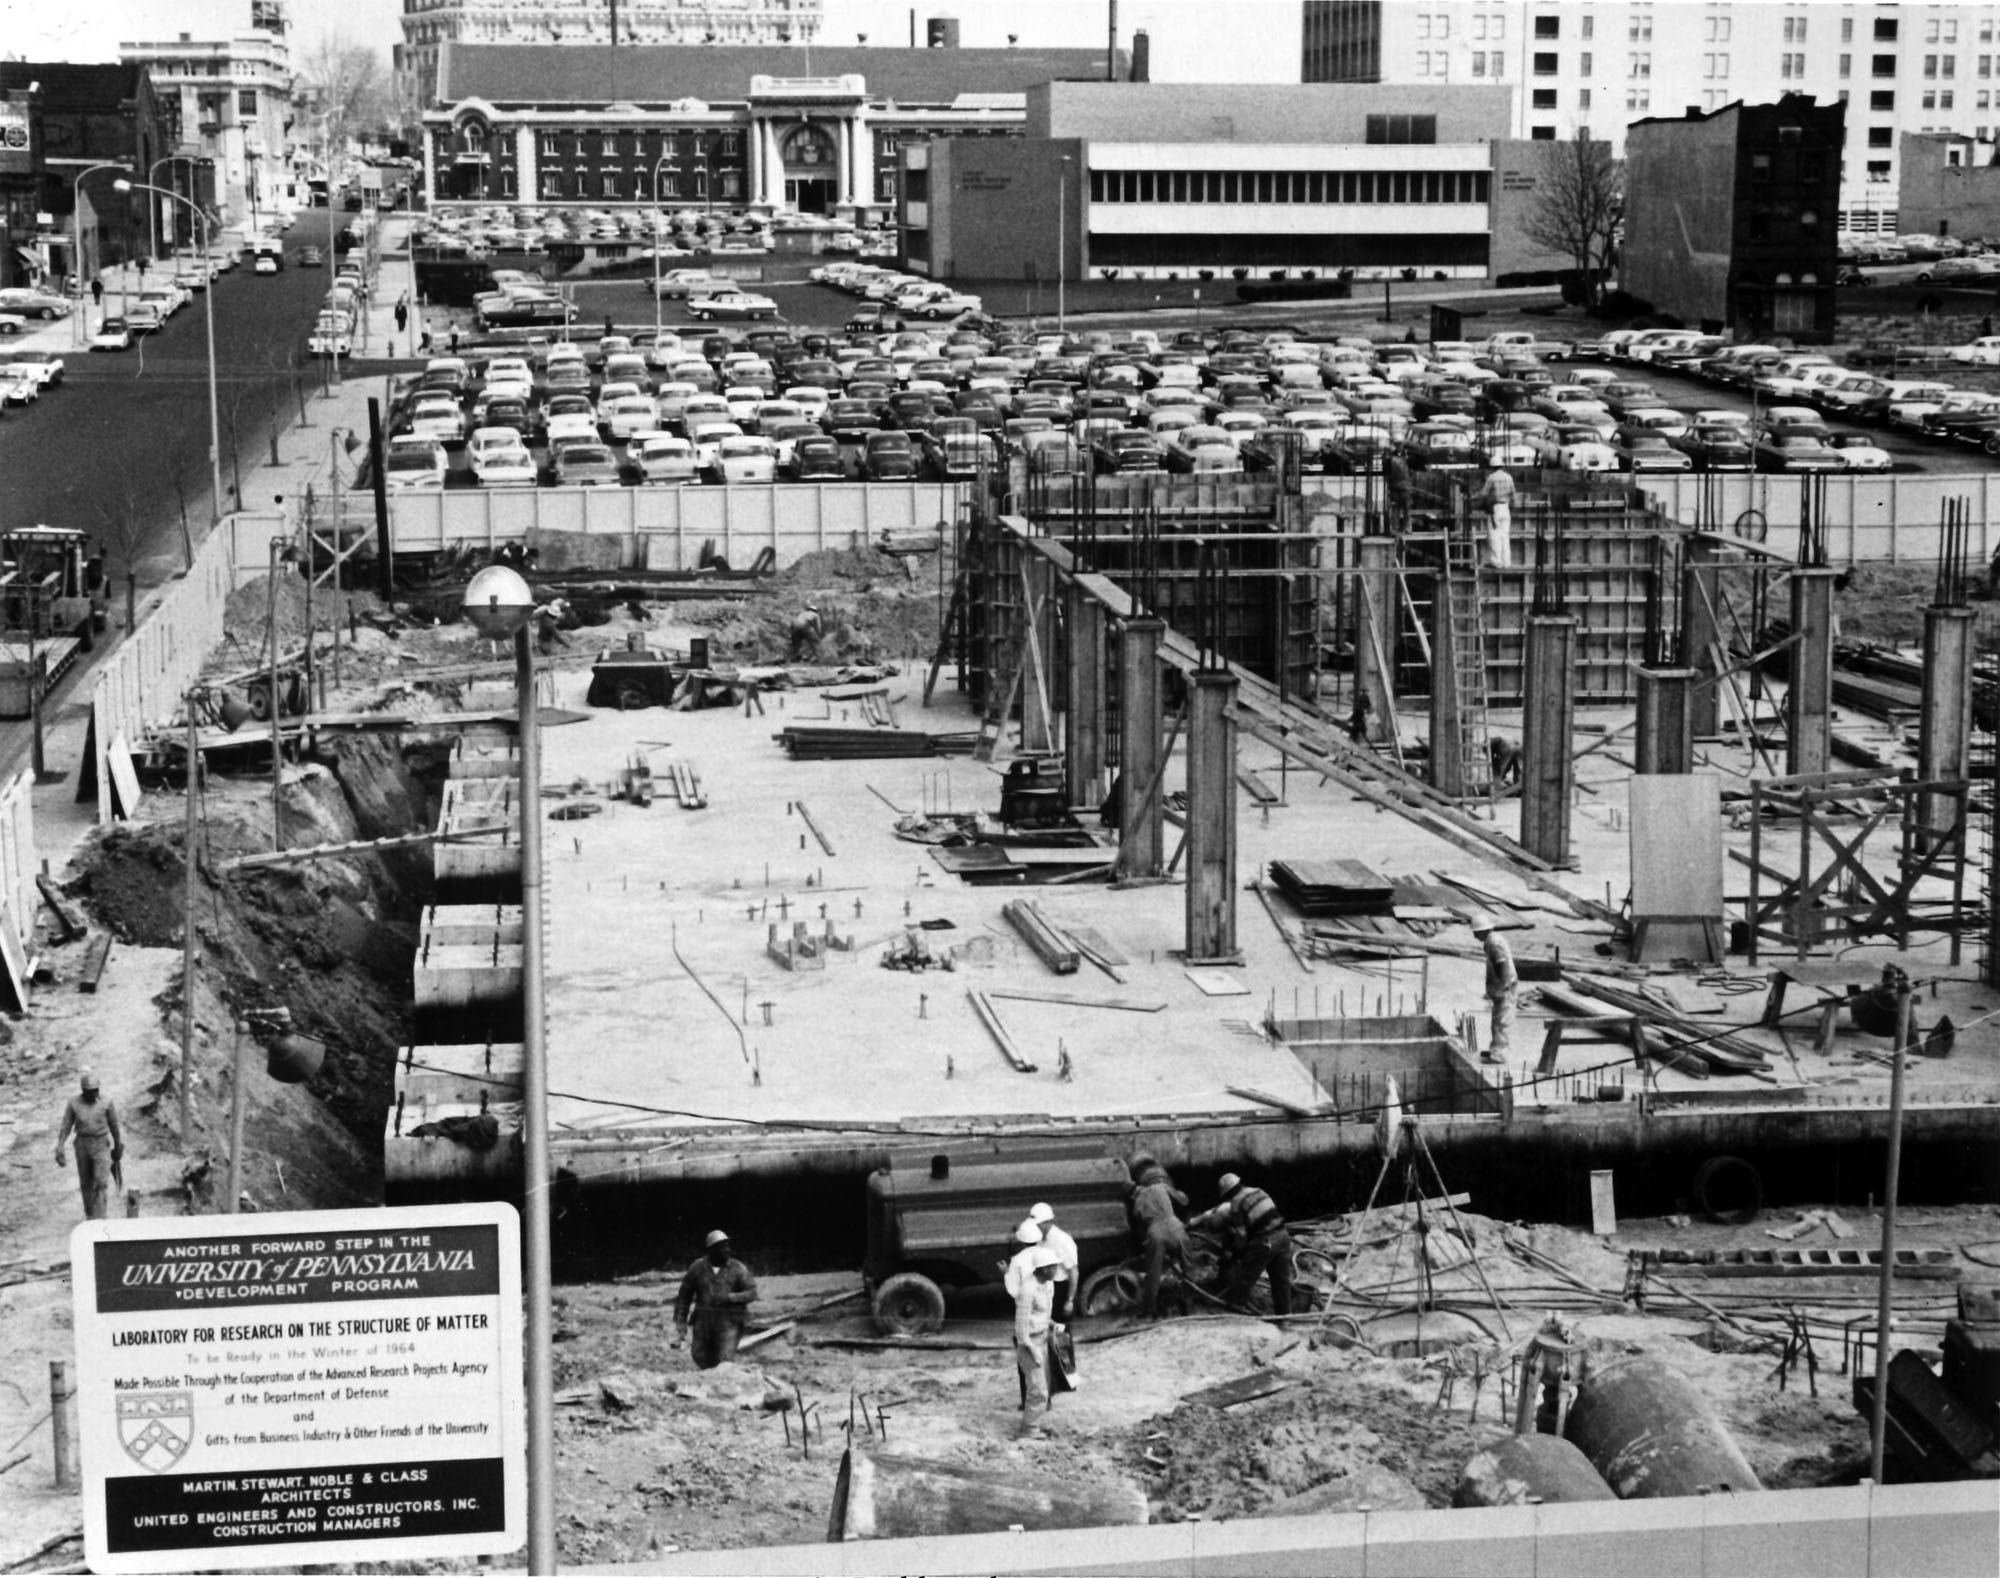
column 371, row 179
column 324, row 1386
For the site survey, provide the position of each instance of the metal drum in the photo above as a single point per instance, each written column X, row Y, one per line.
column 1650, row 1433
column 1524, row 1469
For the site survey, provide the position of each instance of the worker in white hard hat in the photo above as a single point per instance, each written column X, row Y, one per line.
column 100, row 1145
column 1254, row 1231
column 1027, row 1239
column 1500, row 983
column 1032, row 1324
column 715, row 1299
column 1044, row 1218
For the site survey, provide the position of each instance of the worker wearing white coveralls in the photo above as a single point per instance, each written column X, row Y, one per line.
column 1044, row 1217
column 1032, row 1322
column 1500, row 983
column 1027, row 1239
column 1497, row 494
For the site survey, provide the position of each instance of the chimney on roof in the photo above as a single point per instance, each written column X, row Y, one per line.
column 1694, row 112
column 1142, row 56
column 941, row 32
column 1111, row 49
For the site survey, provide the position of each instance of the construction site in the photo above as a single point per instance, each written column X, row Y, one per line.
column 1104, row 819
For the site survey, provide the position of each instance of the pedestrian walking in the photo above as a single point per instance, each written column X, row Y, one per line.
column 1254, row 1229
column 402, row 315
column 97, row 292
column 454, row 339
column 1496, row 493
column 1154, row 1212
column 1500, row 983
column 714, row 1303
column 100, row 1143
column 1033, row 1319
column 1044, row 1218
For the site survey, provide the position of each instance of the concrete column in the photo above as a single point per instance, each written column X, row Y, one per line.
column 1038, row 693
column 1666, row 739
column 1447, row 768
column 1698, row 635
column 774, row 166
column 1944, row 732
column 1547, row 769
column 1375, row 634
column 1211, row 820
column 753, row 151
column 864, row 160
column 843, row 185
column 1083, row 736
column 1139, row 748
column 1809, row 696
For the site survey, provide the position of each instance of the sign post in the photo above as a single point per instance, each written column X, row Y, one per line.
column 303, row 1387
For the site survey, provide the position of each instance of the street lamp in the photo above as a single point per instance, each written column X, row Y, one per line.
column 657, row 165
column 76, row 214
column 499, row 604
column 152, row 209
column 1062, row 244
column 282, row 553
column 214, row 404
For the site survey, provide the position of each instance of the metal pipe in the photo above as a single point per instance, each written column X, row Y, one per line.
column 1878, row 1410
column 235, row 1201
column 187, row 934
column 277, row 733
column 535, row 1201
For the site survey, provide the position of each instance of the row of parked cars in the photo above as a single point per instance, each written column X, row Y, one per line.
column 911, row 295
column 26, row 376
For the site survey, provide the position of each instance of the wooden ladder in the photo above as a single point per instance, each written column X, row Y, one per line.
column 954, row 612
column 1001, row 689
column 1460, row 589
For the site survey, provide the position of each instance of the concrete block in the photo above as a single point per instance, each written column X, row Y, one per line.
column 1494, row 1542
column 1935, row 1531
column 1634, row 1539
column 1822, row 1532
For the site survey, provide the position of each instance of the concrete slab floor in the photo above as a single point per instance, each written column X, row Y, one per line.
column 635, row 1033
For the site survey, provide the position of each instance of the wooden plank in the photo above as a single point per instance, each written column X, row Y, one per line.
column 1047, row 943
column 1092, row 943
column 1264, row 1099
column 989, row 1016
column 807, row 817
column 68, row 917
column 95, row 958
column 14, row 955
column 1603, row 1204
column 1130, row 1005
column 1218, row 983
column 1244, row 1389
column 126, row 793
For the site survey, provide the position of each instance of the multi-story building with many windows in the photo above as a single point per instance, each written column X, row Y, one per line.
column 429, row 24
column 230, row 101
column 1603, row 64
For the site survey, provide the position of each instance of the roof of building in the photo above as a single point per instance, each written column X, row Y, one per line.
column 67, row 86
column 721, row 73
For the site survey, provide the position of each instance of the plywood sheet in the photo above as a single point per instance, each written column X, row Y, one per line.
column 1676, row 845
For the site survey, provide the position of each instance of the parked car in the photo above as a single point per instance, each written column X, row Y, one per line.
column 1575, row 446
column 46, row 366
column 730, row 302
column 112, row 334
column 413, row 461
column 817, row 460
column 1715, row 446
column 585, row 465
column 1796, row 451
column 19, row 386
column 24, row 302
column 1859, row 452
column 662, row 457
column 747, row 457
column 1641, row 449
column 1434, row 446
column 1962, row 417
column 310, row 257
column 889, row 456
column 1128, row 449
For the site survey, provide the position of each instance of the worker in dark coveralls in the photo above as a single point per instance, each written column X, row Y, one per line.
column 715, row 1299
column 1254, row 1229
column 100, row 1145
column 1156, row 1223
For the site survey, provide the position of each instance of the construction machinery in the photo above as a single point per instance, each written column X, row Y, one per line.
column 53, row 599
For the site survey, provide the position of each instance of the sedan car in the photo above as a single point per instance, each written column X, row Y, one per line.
column 1862, row 453
column 46, row 366
column 1574, row 446
column 438, row 417
column 1641, row 449
column 748, row 457
column 1433, row 446
column 25, row 303
column 585, row 465
column 18, row 386
column 1796, row 450
column 1715, row 446
column 411, row 461
column 731, row 303
column 310, row 257
column 112, row 334
column 1129, row 449
column 662, row 457
column 499, row 458
column 889, row 456
column 817, row 460
column 265, row 264
column 629, row 415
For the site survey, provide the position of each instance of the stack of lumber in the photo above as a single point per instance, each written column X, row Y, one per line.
column 823, row 743
column 1333, row 887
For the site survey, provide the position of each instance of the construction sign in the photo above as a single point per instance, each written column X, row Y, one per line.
column 306, row 1387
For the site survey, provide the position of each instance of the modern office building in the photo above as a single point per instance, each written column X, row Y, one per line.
column 428, row 25
column 1728, row 217
column 229, row 100
column 1599, row 65
column 1157, row 178
column 715, row 124
column 60, row 121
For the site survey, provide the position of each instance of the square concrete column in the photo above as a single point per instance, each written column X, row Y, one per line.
column 843, row 186
column 1375, row 635
column 1211, row 818
column 1083, row 734
column 1447, row 761
column 1809, row 696
column 1039, row 699
column 1944, row 731
column 1666, row 733
column 1547, row 736
column 1698, row 634
column 1140, row 753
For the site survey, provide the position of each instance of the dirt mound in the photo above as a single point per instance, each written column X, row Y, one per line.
column 874, row 608
column 247, row 615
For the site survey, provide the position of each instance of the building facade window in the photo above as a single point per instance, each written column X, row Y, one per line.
column 1639, row 65
column 1545, row 65
column 1945, row 98
column 1583, row 64
column 1588, row 29
column 1401, row 129
column 1639, row 30
column 1545, row 99
column 1881, row 136
column 1795, row 30
column 1846, row 66
column 1541, row 134
column 1583, row 98
column 1791, row 67
column 1950, row 67
column 1882, row 99
column 1847, row 30
column 1878, row 170
column 1930, row 100
column 1930, row 68
column 1548, row 27
column 1885, row 30
column 1882, row 65
column 1638, row 100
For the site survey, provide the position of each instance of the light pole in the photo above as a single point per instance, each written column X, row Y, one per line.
column 499, row 604
column 282, row 553
column 153, row 209
column 76, row 214
column 1062, row 245
column 214, row 403
column 658, row 164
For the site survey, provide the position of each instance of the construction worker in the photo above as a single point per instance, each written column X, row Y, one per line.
column 1496, row 493
column 1033, row 1318
column 1027, row 1239
column 1500, row 983
column 1044, row 1218
column 549, row 622
column 1396, row 484
column 805, row 634
column 715, row 1299
column 1254, row 1227
column 100, row 1144
column 1154, row 1213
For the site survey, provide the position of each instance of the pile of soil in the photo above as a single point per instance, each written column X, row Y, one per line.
column 874, row 608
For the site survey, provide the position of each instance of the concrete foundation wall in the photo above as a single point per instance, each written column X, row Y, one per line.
column 1918, row 1531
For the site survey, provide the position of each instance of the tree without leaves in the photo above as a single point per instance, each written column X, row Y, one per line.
column 1578, row 207
column 346, row 79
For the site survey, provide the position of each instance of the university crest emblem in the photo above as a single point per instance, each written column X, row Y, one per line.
column 156, row 1428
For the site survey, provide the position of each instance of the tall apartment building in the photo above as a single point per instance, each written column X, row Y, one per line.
column 427, row 24
column 1603, row 64
column 228, row 100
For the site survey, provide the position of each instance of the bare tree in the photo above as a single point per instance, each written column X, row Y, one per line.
column 347, row 82
column 1578, row 207
column 124, row 517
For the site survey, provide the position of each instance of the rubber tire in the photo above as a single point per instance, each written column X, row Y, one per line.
column 260, row 703
column 1991, row 444
column 632, row 699
column 908, row 1304
column 1110, row 1290
column 47, row 314
column 1720, row 1176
